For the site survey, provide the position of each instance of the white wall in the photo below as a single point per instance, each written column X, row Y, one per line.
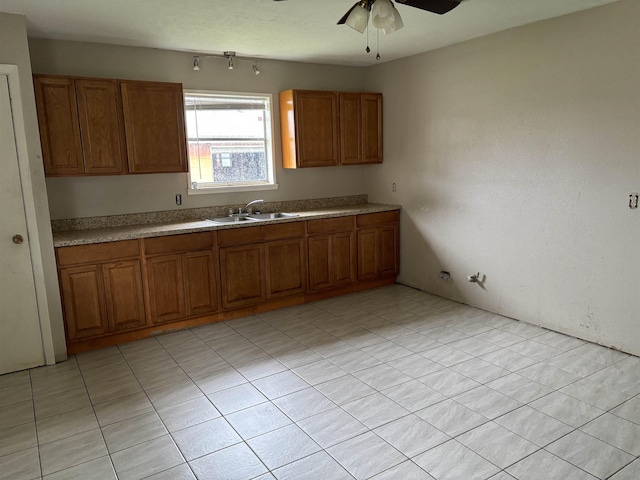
column 514, row 155
column 14, row 50
column 86, row 197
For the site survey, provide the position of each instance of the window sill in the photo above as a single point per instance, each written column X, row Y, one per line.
column 231, row 188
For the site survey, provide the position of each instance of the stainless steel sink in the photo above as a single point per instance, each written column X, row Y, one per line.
column 255, row 217
column 233, row 219
column 272, row 216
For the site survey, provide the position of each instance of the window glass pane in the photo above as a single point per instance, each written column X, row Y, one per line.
column 229, row 139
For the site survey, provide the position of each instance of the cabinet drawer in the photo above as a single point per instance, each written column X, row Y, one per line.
column 190, row 242
column 325, row 225
column 238, row 236
column 283, row 230
column 97, row 253
column 374, row 219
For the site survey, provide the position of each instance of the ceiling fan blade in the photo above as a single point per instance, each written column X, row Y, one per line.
column 436, row 6
column 346, row 15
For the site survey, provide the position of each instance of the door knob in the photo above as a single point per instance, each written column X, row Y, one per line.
column 18, row 239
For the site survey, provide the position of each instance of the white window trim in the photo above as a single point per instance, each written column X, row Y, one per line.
column 231, row 188
column 271, row 166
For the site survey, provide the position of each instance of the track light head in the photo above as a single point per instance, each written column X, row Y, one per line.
column 230, row 56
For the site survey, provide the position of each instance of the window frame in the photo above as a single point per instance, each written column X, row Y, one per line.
column 269, row 142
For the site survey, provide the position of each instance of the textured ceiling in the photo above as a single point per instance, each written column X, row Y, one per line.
column 299, row 30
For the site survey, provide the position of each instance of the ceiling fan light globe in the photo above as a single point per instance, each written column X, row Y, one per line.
column 397, row 23
column 382, row 14
column 358, row 19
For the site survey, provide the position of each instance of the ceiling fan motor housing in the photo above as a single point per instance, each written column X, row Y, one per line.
column 436, row 6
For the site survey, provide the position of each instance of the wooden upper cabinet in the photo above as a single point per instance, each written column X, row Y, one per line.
column 92, row 126
column 350, row 129
column 360, row 128
column 322, row 129
column 102, row 131
column 154, row 125
column 309, row 129
column 59, row 127
column 371, row 127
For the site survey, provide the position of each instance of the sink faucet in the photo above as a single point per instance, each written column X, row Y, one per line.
column 242, row 210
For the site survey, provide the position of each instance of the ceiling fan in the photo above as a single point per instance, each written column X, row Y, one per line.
column 384, row 13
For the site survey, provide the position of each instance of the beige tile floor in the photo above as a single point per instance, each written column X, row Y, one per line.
column 387, row 384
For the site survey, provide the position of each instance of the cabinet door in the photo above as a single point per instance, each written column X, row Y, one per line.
column 350, row 129
column 100, row 115
column 286, row 272
column 59, row 127
column 242, row 275
column 387, row 239
column 372, row 128
column 200, row 283
column 319, row 248
column 316, row 118
column 331, row 260
column 377, row 252
column 123, row 294
column 343, row 258
column 166, row 288
column 367, row 254
column 83, row 301
column 154, row 125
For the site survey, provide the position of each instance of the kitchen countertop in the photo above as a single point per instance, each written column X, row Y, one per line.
column 112, row 234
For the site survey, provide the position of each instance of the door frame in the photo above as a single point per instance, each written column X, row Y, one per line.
column 37, row 266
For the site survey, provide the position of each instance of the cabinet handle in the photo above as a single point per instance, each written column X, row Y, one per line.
column 18, row 239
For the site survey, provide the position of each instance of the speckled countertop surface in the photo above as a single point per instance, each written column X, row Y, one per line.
column 112, row 234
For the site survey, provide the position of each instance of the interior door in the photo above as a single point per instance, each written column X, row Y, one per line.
column 20, row 335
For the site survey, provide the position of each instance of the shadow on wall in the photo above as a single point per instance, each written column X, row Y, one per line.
column 414, row 240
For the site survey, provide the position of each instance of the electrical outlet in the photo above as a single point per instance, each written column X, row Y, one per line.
column 178, row 199
column 393, row 187
column 633, row 200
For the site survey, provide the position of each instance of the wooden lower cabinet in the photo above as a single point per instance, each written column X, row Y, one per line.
column 124, row 295
column 319, row 251
column 331, row 260
column 388, row 251
column 242, row 275
column 200, row 285
column 181, row 285
column 101, row 299
column 377, row 252
column 285, row 267
column 377, row 245
column 84, row 303
column 166, row 288
column 176, row 281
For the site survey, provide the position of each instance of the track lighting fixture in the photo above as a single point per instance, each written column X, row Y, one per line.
column 231, row 58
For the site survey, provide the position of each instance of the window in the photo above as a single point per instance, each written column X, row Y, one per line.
column 230, row 141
